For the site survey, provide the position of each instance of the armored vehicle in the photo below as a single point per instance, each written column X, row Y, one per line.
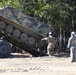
column 20, row 30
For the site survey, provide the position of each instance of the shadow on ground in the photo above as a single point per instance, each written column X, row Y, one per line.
column 26, row 55
column 62, row 55
column 18, row 55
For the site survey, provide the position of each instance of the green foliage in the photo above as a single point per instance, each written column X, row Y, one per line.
column 12, row 3
column 52, row 12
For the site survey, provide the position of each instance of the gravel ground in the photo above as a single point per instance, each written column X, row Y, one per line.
column 25, row 64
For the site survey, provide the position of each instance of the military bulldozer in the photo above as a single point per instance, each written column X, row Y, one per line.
column 21, row 30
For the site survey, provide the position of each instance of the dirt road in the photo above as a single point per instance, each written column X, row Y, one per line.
column 18, row 64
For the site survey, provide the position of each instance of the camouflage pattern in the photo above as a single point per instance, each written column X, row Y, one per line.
column 48, row 45
column 51, row 45
column 25, row 20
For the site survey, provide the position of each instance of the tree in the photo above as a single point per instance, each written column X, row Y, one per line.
column 56, row 13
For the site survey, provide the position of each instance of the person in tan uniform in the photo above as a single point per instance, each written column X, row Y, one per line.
column 50, row 40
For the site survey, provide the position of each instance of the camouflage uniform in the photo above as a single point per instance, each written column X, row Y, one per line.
column 72, row 46
column 50, row 43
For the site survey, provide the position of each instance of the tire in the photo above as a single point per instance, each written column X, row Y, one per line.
column 31, row 41
column 2, row 24
column 24, row 37
column 17, row 33
column 5, row 49
column 9, row 28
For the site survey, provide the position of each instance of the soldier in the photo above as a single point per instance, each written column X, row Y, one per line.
column 72, row 46
column 51, row 43
column 43, row 45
